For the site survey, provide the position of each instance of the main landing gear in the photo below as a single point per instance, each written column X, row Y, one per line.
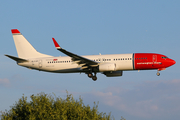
column 90, row 75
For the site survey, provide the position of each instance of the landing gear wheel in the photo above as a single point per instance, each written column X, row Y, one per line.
column 90, row 75
column 158, row 74
column 94, row 78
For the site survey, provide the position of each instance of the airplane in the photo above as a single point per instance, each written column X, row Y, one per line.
column 111, row 65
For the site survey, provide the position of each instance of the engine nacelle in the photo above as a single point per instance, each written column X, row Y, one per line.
column 107, row 67
column 113, row 73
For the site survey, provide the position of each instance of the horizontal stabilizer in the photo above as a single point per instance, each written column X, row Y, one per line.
column 17, row 59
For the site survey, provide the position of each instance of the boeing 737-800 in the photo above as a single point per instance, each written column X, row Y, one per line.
column 110, row 65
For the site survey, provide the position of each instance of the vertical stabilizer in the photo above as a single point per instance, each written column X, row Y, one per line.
column 24, row 48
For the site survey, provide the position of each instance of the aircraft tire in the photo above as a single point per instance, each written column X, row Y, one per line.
column 94, row 78
column 90, row 75
column 158, row 74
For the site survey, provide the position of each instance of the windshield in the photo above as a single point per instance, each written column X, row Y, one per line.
column 164, row 57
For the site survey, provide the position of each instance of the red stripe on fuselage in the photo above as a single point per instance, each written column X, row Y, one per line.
column 143, row 61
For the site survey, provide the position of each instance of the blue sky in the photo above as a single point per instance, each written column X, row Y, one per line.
column 89, row 28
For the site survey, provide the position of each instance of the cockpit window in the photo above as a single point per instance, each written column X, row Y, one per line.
column 164, row 57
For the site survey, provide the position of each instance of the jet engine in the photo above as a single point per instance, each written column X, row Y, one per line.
column 107, row 67
column 113, row 73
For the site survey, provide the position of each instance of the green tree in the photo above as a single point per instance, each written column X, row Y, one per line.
column 122, row 118
column 43, row 106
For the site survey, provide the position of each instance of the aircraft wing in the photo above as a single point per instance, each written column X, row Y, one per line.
column 82, row 61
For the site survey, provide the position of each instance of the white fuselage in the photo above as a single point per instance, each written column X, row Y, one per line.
column 66, row 65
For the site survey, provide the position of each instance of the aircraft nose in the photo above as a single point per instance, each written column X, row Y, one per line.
column 173, row 62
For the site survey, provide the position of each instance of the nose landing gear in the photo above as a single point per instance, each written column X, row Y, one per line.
column 158, row 74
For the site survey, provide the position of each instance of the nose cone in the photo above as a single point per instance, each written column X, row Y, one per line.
column 172, row 62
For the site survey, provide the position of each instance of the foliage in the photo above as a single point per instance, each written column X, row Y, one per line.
column 44, row 106
column 122, row 118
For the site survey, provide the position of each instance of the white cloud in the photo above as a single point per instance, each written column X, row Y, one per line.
column 151, row 99
column 5, row 82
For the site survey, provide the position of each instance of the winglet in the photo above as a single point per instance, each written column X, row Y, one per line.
column 56, row 44
column 15, row 31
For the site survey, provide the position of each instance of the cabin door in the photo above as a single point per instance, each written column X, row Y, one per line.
column 154, row 58
column 40, row 63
